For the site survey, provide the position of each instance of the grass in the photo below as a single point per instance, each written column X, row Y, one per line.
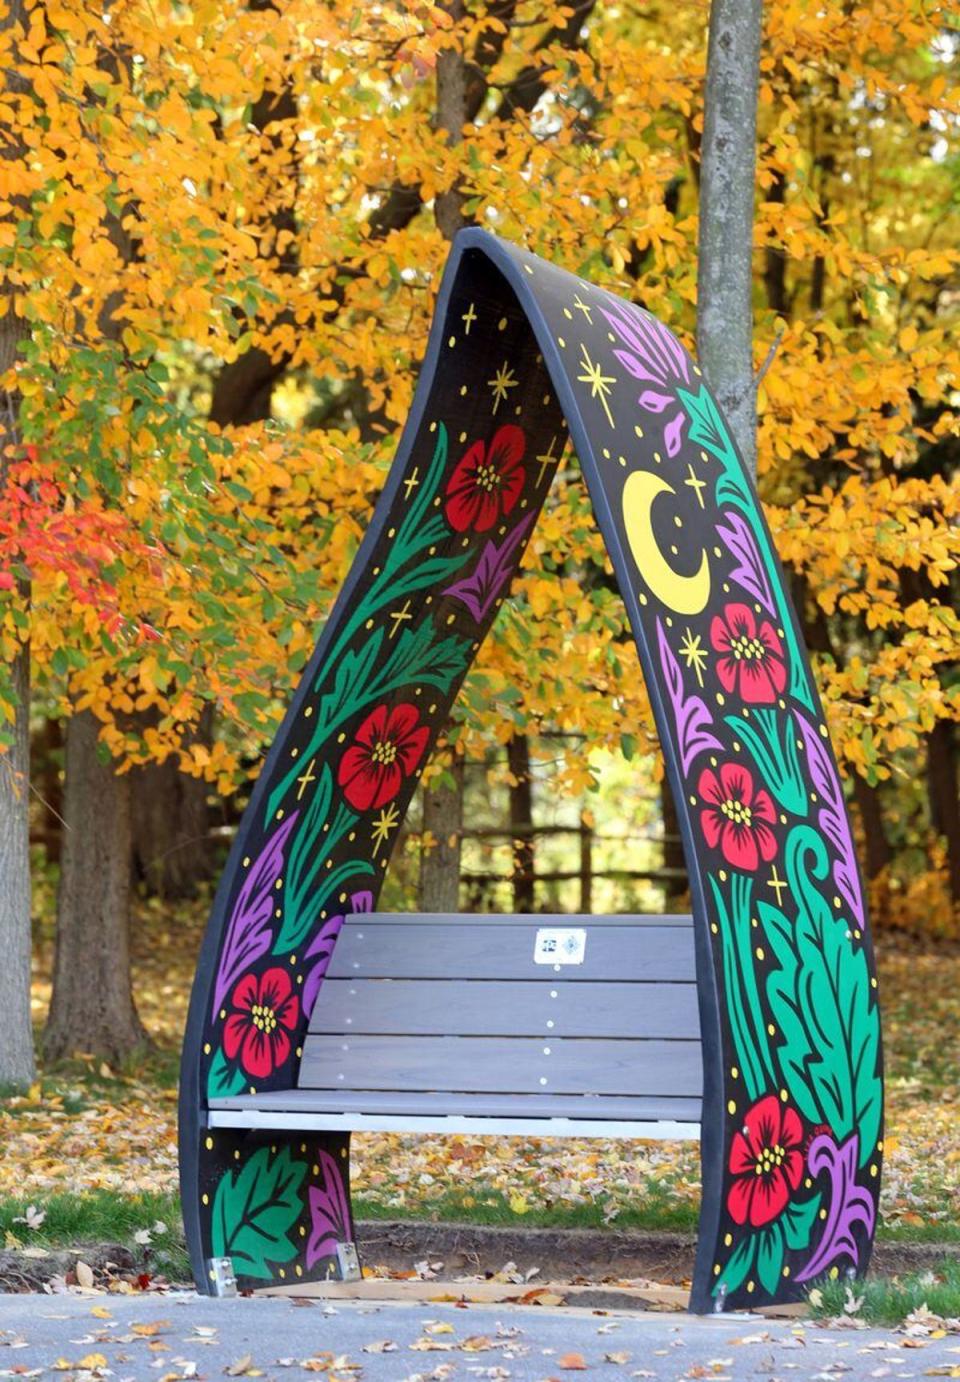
column 99, row 1217
column 889, row 1301
column 653, row 1214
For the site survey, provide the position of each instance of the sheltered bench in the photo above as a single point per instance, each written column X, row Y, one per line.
column 754, row 1019
column 550, row 1026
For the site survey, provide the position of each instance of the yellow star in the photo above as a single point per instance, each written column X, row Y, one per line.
column 694, row 653
column 411, row 482
column 388, row 820
column 501, row 382
column 583, row 307
column 398, row 616
column 468, row 318
column 777, row 883
column 599, row 382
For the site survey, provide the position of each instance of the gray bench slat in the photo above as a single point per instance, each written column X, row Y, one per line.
column 575, row 1106
column 377, row 946
column 465, row 1007
column 502, row 1065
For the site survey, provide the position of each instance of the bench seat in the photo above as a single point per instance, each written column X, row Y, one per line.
column 481, row 1024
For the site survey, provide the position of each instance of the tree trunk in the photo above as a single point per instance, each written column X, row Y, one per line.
column 727, row 176
column 16, row 1033
column 944, row 789
column 92, row 1007
column 521, row 823
column 451, row 117
column 439, row 886
column 170, row 817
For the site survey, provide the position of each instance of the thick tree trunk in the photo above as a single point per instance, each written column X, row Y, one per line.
column 439, row 886
column 727, row 175
column 944, row 789
column 521, row 823
column 172, row 851
column 16, row 1032
column 92, row 1007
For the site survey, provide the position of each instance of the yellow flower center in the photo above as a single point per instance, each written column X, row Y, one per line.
column 264, row 1018
column 736, row 811
column 746, row 649
column 384, row 751
column 487, row 477
column 769, row 1159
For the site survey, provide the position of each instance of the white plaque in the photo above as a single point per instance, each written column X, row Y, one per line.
column 560, row 945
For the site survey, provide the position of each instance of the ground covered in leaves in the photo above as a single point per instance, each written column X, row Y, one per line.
column 87, row 1128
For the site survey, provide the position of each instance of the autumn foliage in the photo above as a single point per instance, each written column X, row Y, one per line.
column 211, row 202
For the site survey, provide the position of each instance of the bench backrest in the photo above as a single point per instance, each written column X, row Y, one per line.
column 543, row 1005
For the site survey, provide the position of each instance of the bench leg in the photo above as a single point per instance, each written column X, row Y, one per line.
column 277, row 1205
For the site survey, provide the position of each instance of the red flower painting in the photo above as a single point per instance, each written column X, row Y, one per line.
column 766, row 1159
column 751, row 659
column 265, row 1012
column 737, row 817
column 486, row 482
column 388, row 747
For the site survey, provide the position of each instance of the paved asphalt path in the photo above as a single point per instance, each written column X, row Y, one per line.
column 162, row 1338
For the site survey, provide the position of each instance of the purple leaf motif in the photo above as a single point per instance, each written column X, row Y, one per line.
column 750, row 572
column 493, row 571
column 323, row 944
column 833, row 820
column 691, row 716
column 329, row 1213
column 850, row 1203
column 655, row 357
column 248, row 934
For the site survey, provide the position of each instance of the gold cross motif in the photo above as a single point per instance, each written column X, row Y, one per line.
column 411, row 482
column 694, row 653
column 583, row 307
column 468, row 318
column 696, row 484
column 398, row 617
column 547, row 459
column 306, row 779
column 777, row 883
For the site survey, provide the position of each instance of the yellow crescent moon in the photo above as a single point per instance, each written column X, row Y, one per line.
column 682, row 594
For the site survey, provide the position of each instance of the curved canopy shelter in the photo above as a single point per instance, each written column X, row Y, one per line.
column 788, row 1091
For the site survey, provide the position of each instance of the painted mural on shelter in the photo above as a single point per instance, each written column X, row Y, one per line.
column 768, row 840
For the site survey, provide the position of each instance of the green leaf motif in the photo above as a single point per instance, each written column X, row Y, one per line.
column 420, row 656
column 707, row 429
column 738, row 1265
column 254, row 1211
column 775, row 752
column 821, row 1002
column 740, row 985
column 798, row 1221
column 770, row 1252
column 224, row 1079
column 308, row 886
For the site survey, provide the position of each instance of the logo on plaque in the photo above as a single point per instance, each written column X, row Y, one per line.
column 560, row 945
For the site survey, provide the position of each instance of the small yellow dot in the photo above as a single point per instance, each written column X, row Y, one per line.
column 561, row 343
column 784, row 1095
column 452, row 341
column 834, row 1273
column 206, row 1048
column 721, row 699
column 723, row 875
column 731, row 1106
column 204, row 1199
column 734, row 1072
column 750, row 1287
column 714, row 927
column 771, row 1029
column 236, row 1156
column 293, row 959
column 568, row 314
column 246, row 862
column 728, row 1240
column 463, row 390
column 786, row 1271
column 308, row 712
column 759, row 952
column 279, row 815
column 433, row 427
column 716, row 1271
column 874, row 1169
column 502, row 324
column 823, row 1214
column 879, row 1146
column 294, row 752
column 209, row 1144
column 643, row 598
